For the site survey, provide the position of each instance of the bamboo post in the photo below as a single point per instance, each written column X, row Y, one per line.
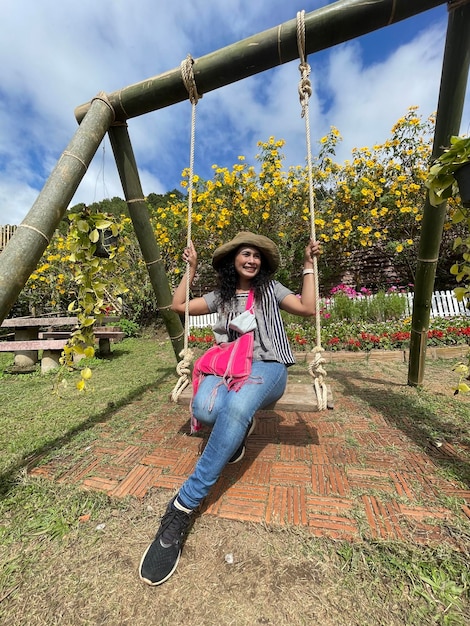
column 138, row 211
column 24, row 250
column 449, row 114
column 324, row 28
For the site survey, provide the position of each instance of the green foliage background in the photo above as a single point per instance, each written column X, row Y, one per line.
column 368, row 212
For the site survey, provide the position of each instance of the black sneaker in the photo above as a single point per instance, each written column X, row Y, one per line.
column 240, row 451
column 161, row 557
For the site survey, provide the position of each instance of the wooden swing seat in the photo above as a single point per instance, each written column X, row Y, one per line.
column 296, row 397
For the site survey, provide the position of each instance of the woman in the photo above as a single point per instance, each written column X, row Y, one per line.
column 245, row 263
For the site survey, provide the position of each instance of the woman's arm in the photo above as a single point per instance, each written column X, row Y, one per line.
column 305, row 305
column 197, row 306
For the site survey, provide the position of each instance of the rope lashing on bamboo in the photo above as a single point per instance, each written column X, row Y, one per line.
column 315, row 368
column 183, row 368
column 456, row 4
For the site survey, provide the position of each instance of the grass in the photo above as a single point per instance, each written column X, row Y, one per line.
column 69, row 556
column 42, row 417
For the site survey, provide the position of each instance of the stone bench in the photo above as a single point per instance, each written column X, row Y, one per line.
column 102, row 335
column 52, row 349
column 52, row 344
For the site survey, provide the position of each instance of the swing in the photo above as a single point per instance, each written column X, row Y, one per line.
column 297, row 396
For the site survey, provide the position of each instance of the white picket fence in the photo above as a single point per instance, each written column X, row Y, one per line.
column 202, row 321
column 443, row 304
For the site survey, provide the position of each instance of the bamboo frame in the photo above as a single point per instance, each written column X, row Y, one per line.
column 449, row 114
column 325, row 27
column 139, row 213
column 24, row 250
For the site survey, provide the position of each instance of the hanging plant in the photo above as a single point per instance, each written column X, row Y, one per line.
column 449, row 175
column 94, row 265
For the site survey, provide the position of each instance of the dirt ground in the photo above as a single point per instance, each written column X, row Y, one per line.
column 278, row 577
column 232, row 572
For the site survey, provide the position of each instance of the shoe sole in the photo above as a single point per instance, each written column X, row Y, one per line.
column 252, row 427
column 151, row 583
column 242, row 454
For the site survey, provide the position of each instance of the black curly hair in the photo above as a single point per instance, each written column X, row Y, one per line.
column 227, row 279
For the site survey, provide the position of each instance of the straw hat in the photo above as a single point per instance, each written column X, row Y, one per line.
column 264, row 244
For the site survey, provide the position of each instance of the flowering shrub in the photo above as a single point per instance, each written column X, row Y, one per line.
column 359, row 336
column 200, row 337
column 346, row 303
column 388, row 336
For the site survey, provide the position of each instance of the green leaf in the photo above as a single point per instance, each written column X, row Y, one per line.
column 461, row 368
column 460, row 293
column 94, row 236
column 102, row 224
column 458, row 217
column 83, row 226
column 88, row 321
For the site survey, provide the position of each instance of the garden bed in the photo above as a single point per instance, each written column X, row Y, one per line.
column 445, row 352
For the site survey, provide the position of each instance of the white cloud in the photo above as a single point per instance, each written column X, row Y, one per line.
column 368, row 100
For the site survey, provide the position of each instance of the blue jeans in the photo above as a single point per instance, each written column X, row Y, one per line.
column 230, row 417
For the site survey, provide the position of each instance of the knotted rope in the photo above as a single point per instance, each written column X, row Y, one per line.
column 315, row 368
column 183, row 368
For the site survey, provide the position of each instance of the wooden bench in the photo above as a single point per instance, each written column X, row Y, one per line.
column 296, row 397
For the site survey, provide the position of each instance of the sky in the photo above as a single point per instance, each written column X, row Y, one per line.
column 58, row 54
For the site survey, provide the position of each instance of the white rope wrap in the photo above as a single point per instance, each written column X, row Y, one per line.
column 315, row 369
column 183, row 368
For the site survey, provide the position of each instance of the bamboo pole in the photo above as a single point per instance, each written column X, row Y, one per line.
column 325, row 27
column 449, row 115
column 138, row 211
column 24, row 250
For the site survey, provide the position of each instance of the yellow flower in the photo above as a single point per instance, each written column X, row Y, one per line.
column 399, row 248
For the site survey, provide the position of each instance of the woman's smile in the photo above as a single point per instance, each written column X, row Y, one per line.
column 248, row 262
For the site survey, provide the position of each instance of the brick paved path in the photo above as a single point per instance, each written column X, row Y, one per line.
column 360, row 479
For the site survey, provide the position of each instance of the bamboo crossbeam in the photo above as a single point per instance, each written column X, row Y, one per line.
column 324, row 28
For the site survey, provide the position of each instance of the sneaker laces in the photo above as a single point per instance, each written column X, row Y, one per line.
column 173, row 527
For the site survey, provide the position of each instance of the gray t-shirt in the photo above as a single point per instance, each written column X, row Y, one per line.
column 263, row 345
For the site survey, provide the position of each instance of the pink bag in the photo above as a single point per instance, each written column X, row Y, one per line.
column 232, row 361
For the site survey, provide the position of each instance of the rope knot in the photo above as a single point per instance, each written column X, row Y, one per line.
column 189, row 81
column 305, row 86
column 183, row 369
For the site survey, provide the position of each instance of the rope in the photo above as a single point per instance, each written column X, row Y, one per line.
column 183, row 368
column 315, row 369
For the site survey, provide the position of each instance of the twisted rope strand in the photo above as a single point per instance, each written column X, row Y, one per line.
column 183, row 368
column 315, row 369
